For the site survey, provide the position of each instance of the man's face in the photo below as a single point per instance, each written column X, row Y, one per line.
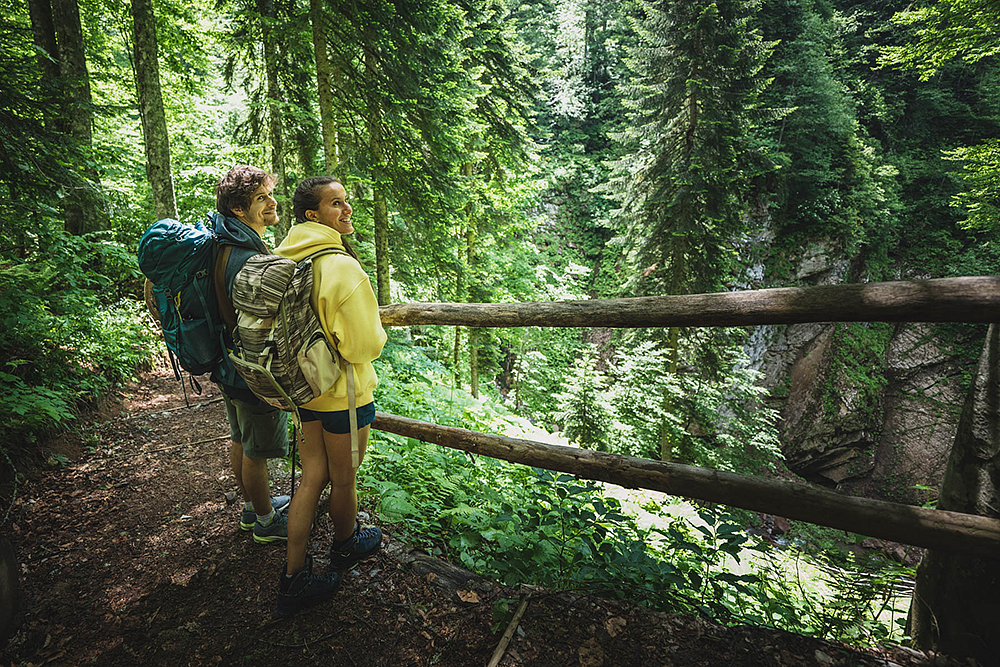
column 262, row 211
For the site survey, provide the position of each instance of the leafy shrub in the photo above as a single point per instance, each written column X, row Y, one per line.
column 528, row 525
column 66, row 342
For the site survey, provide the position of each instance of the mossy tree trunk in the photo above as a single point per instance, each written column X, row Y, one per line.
column 324, row 88
column 76, row 115
column 265, row 9
column 154, row 121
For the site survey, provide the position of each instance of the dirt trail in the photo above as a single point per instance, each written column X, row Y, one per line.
column 130, row 554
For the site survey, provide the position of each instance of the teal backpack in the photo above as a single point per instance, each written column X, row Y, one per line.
column 179, row 260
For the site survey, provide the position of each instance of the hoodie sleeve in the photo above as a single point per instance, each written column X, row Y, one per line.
column 351, row 316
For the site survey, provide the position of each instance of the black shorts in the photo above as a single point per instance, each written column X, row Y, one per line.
column 339, row 421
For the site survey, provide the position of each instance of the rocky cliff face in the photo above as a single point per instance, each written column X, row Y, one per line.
column 867, row 409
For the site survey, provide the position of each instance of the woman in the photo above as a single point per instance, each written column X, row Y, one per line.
column 348, row 312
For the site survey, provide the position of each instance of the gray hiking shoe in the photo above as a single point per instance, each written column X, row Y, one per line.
column 272, row 532
column 248, row 517
column 364, row 542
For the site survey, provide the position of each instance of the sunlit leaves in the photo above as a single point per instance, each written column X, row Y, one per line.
column 945, row 30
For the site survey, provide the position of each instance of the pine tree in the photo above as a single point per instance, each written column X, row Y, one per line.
column 583, row 409
column 689, row 159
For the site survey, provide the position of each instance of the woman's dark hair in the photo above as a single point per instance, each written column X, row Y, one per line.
column 236, row 187
column 306, row 198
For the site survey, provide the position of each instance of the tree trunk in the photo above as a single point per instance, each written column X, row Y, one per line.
column 474, row 362
column 266, row 10
column 76, row 114
column 381, row 220
column 470, row 254
column 44, row 35
column 154, row 121
column 461, row 291
column 908, row 524
column 955, row 607
column 380, row 214
column 456, row 357
column 965, row 299
column 678, row 272
column 324, row 92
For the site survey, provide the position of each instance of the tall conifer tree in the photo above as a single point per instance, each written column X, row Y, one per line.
column 689, row 158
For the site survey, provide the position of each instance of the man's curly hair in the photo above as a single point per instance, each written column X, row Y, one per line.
column 235, row 188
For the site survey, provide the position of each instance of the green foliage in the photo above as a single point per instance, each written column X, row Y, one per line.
column 828, row 586
column 832, row 182
column 981, row 176
column 35, row 159
column 524, row 525
column 857, row 370
column 413, row 385
column 712, row 408
column 689, row 158
column 68, row 337
column 583, row 409
column 943, row 31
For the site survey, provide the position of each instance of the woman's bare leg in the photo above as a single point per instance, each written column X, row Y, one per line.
column 302, row 510
column 343, row 489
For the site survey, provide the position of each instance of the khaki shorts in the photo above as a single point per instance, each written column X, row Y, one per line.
column 261, row 429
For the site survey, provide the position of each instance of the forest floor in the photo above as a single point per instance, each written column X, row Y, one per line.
column 131, row 553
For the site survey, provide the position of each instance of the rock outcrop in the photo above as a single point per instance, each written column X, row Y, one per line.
column 878, row 423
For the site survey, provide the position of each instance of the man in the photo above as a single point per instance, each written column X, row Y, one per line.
column 257, row 431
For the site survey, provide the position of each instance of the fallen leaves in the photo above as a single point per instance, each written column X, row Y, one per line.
column 470, row 597
column 614, row 626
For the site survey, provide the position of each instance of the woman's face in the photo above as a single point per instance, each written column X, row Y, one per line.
column 333, row 211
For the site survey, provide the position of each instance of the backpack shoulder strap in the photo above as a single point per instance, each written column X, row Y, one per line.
column 221, row 295
column 326, row 251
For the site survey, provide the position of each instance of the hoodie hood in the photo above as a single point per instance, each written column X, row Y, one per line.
column 307, row 238
column 231, row 230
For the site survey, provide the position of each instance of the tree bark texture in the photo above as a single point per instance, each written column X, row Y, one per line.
column 76, row 114
column 908, row 524
column 44, row 36
column 967, row 299
column 324, row 90
column 154, row 120
column 956, row 603
column 380, row 216
column 466, row 270
column 456, row 357
column 460, row 295
column 265, row 8
column 381, row 219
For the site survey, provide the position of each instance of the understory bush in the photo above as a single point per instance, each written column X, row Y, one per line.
column 519, row 524
column 69, row 336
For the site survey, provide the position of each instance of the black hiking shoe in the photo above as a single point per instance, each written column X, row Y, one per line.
column 363, row 543
column 305, row 589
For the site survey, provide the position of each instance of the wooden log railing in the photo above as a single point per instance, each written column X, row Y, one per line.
column 919, row 526
column 968, row 299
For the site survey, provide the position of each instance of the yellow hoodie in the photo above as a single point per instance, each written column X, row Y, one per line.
column 347, row 309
